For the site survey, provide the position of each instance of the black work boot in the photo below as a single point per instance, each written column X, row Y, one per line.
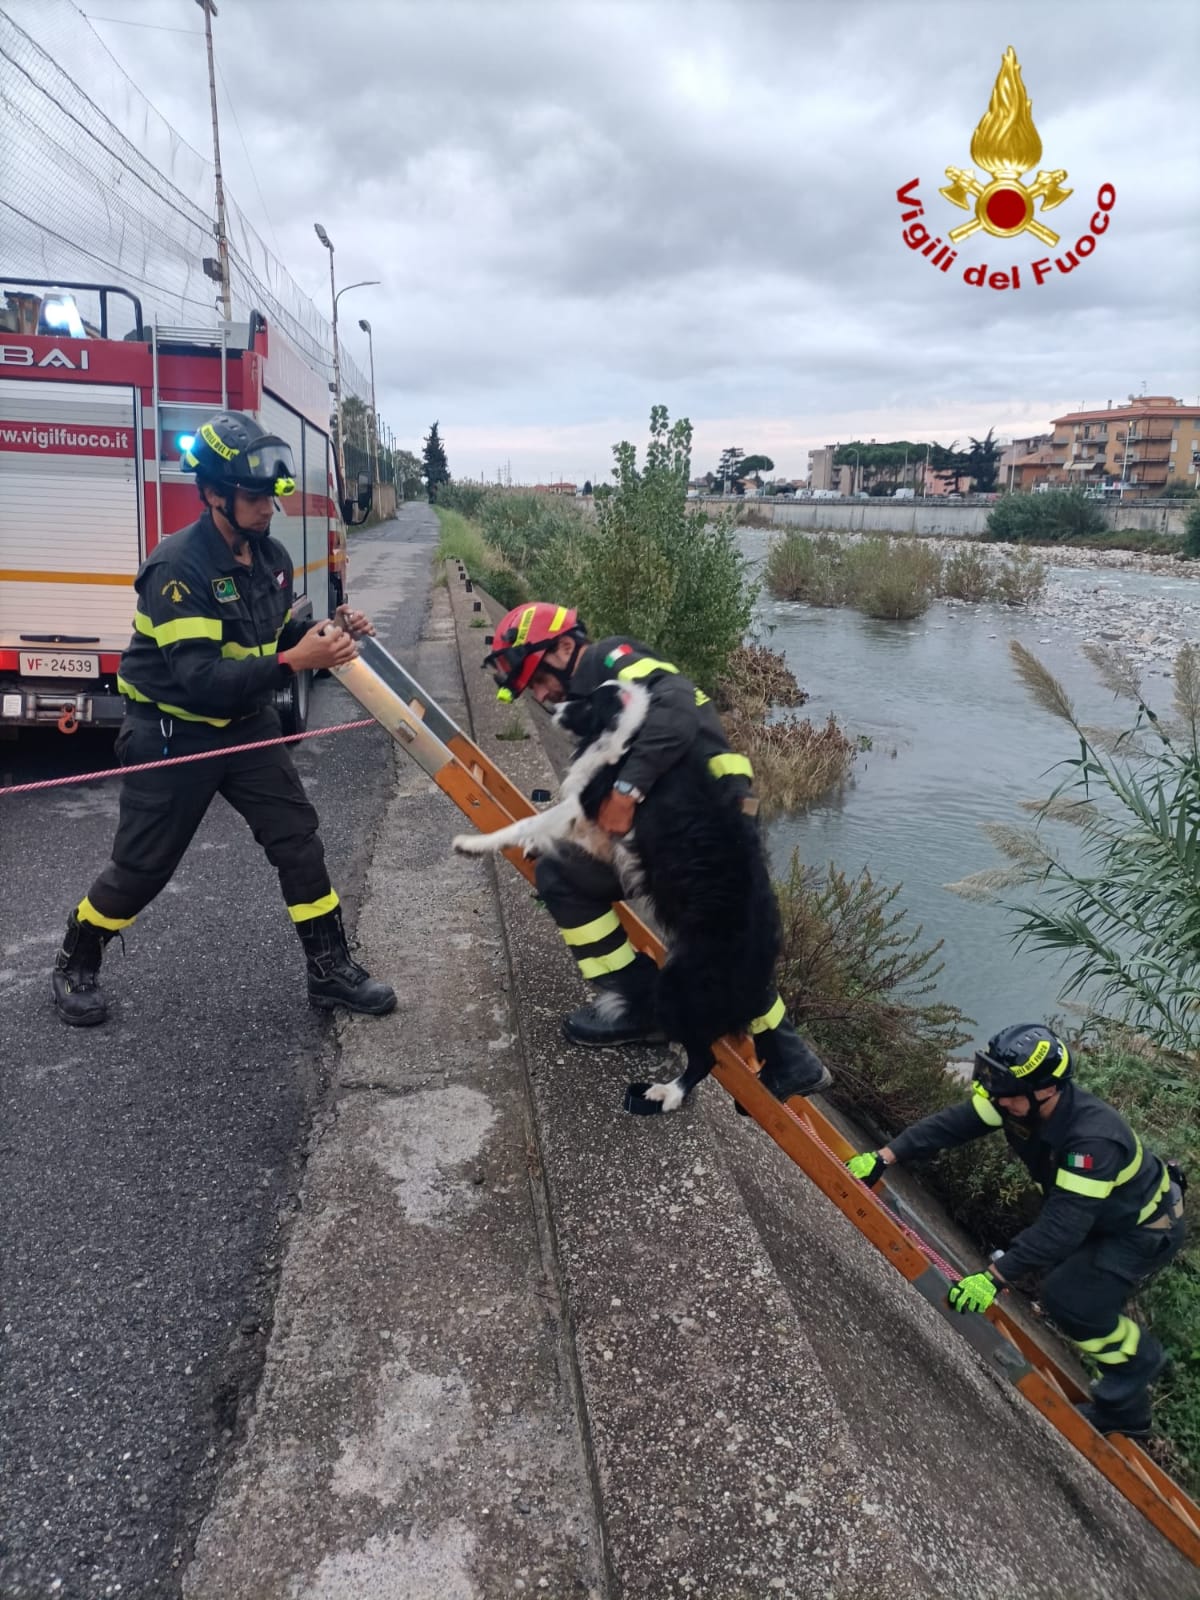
column 333, row 978
column 790, row 1064
column 78, row 998
column 623, row 1012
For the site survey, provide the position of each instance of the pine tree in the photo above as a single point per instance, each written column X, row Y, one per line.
column 433, row 463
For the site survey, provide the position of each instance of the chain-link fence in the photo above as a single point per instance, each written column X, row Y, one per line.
column 98, row 187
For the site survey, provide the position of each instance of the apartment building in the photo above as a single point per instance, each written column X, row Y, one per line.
column 1143, row 445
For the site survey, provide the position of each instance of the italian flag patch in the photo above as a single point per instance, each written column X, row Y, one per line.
column 614, row 656
column 1081, row 1163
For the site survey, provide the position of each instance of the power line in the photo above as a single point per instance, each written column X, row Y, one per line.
column 124, row 22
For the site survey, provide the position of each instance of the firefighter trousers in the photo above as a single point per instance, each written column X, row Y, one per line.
column 1086, row 1293
column 160, row 812
column 578, row 891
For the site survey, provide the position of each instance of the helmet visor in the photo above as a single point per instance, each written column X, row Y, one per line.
column 995, row 1077
column 266, row 468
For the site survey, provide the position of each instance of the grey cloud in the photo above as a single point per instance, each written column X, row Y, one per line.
column 578, row 206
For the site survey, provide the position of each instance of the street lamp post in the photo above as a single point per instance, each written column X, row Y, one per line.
column 366, row 328
column 335, row 295
column 854, row 479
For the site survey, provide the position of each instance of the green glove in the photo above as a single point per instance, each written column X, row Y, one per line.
column 868, row 1168
column 975, row 1293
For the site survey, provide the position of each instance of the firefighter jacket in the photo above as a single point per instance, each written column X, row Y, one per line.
column 207, row 628
column 1085, row 1158
column 678, row 717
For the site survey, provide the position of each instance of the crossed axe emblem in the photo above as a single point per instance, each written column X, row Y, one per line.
column 964, row 186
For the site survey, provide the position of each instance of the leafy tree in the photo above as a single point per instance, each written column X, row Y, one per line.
column 434, row 469
column 1179, row 489
column 727, row 467
column 1191, row 534
column 983, row 464
column 587, row 486
column 880, row 464
column 755, row 465
column 662, row 573
column 407, row 470
column 948, row 464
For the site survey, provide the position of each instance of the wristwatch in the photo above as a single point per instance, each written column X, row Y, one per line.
column 621, row 787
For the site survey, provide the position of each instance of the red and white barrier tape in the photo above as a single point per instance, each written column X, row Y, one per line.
column 176, row 761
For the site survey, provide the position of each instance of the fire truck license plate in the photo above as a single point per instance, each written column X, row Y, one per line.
column 59, row 665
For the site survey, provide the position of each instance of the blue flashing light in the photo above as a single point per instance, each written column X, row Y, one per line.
column 184, row 441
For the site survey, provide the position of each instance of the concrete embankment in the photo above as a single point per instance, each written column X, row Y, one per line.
column 527, row 1344
column 925, row 518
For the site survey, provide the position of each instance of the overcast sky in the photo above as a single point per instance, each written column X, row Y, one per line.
column 580, row 208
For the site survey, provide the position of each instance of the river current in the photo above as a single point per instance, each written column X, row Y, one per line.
column 956, row 741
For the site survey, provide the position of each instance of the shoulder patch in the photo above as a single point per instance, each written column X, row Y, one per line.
column 1080, row 1163
column 614, row 656
column 225, row 589
column 175, row 589
column 281, row 577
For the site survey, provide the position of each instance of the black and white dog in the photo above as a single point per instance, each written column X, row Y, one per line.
column 697, row 857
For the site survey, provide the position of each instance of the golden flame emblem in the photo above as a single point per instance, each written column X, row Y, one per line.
column 1006, row 144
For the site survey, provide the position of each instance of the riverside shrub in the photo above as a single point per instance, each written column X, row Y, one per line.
column 1191, row 534
column 1046, row 518
column 893, row 580
column 660, row 572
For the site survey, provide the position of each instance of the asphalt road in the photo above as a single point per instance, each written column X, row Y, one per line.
column 148, row 1168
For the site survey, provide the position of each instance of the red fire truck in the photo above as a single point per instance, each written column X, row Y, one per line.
column 92, row 424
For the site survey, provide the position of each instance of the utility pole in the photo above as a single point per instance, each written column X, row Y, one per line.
column 209, row 9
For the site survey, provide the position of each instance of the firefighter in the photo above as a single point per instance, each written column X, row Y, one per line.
column 545, row 648
column 1112, row 1217
column 214, row 639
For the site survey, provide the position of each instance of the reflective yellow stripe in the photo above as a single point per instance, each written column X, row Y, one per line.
column 729, row 766
column 318, row 908
column 769, row 1019
column 1134, row 1167
column 165, row 633
column 597, row 966
column 1152, row 1204
column 1094, row 1188
column 130, row 693
column 984, row 1108
column 239, row 652
column 86, row 912
column 643, row 668
column 560, row 616
column 524, row 625
column 1115, row 1348
column 589, row 932
column 701, row 698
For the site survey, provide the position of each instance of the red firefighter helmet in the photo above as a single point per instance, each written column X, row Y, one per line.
column 523, row 637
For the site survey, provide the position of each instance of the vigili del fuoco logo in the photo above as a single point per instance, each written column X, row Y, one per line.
column 1005, row 144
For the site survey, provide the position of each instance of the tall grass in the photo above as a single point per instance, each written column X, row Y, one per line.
column 464, row 541
column 1126, row 920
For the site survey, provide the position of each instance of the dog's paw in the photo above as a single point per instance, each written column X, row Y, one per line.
column 651, row 1099
column 466, row 844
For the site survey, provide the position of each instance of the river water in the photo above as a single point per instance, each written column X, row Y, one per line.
column 956, row 742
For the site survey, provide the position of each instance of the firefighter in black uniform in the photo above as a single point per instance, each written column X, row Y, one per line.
column 1112, row 1218
column 213, row 639
column 544, row 648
